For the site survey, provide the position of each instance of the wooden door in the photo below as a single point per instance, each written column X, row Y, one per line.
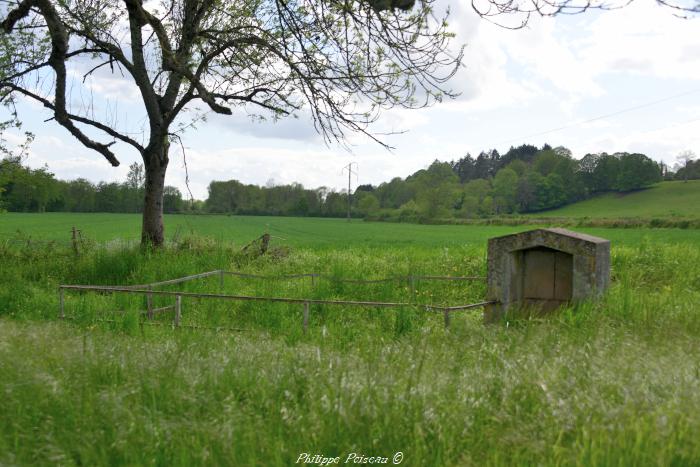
column 547, row 278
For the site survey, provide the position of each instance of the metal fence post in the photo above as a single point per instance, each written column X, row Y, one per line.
column 178, row 310
column 306, row 316
column 221, row 280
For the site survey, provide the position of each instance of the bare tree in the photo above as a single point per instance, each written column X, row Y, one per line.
column 683, row 159
column 520, row 11
column 135, row 179
column 340, row 61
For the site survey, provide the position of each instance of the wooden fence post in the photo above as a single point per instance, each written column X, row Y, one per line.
column 447, row 318
column 74, row 239
column 149, row 304
column 178, row 310
column 306, row 316
column 61, row 313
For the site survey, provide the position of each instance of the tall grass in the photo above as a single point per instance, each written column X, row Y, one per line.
column 613, row 382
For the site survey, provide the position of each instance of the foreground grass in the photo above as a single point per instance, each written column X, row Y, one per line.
column 616, row 382
column 544, row 394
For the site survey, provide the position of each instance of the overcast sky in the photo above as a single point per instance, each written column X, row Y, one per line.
column 639, row 67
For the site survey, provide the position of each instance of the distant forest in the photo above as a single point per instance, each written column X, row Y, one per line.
column 524, row 179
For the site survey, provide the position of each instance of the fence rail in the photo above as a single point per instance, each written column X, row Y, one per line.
column 119, row 289
column 222, row 273
column 355, row 281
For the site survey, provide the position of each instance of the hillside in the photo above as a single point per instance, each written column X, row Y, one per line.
column 667, row 199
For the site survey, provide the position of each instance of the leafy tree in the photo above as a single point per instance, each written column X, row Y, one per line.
column 465, row 168
column 341, row 62
column 368, row 204
column 473, row 195
column 368, row 188
column 135, row 181
column 336, row 204
column 110, row 197
column 436, row 189
column 585, row 173
column 518, row 166
column 408, row 211
column 8, row 153
column 487, row 206
column 486, row 164
column 552, row 193
column 79, row 195
column 479, row 188
column 546, row 162
column 395, row 193
column 527, row 191
column 525, row 153
column 470, row 207
column 25, row 189
column 691, row 171
column 172, row 200
column 636, row 171
column 606, row 173
column 505, row 186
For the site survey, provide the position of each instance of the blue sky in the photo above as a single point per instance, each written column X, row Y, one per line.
column 516, row 85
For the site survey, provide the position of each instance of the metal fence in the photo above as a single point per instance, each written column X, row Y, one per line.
column 149, row 292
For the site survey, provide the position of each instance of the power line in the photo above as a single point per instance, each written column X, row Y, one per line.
column 600, row 117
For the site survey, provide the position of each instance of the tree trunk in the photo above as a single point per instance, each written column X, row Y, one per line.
column 155, row 160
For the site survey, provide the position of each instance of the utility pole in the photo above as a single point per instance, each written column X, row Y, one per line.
column 350, row 174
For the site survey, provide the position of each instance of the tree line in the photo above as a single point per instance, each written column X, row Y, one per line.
column 524, row 179
column 23, row 189
column 234, row 197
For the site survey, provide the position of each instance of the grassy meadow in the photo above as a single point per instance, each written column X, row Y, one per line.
column 665, row 200
column 303, row 232
column 611, row 382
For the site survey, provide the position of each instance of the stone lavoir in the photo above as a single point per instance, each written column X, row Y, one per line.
column 541, row 270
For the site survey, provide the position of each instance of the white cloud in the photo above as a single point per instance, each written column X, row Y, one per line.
column 287, row 128
column 643, row 38
column 311, row 167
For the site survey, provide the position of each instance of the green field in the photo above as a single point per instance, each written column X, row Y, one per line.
column 667, row 199
column 610, row 382
column 293, row 231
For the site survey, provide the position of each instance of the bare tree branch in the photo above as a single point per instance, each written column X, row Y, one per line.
column 100, row 126
column 501, row 11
